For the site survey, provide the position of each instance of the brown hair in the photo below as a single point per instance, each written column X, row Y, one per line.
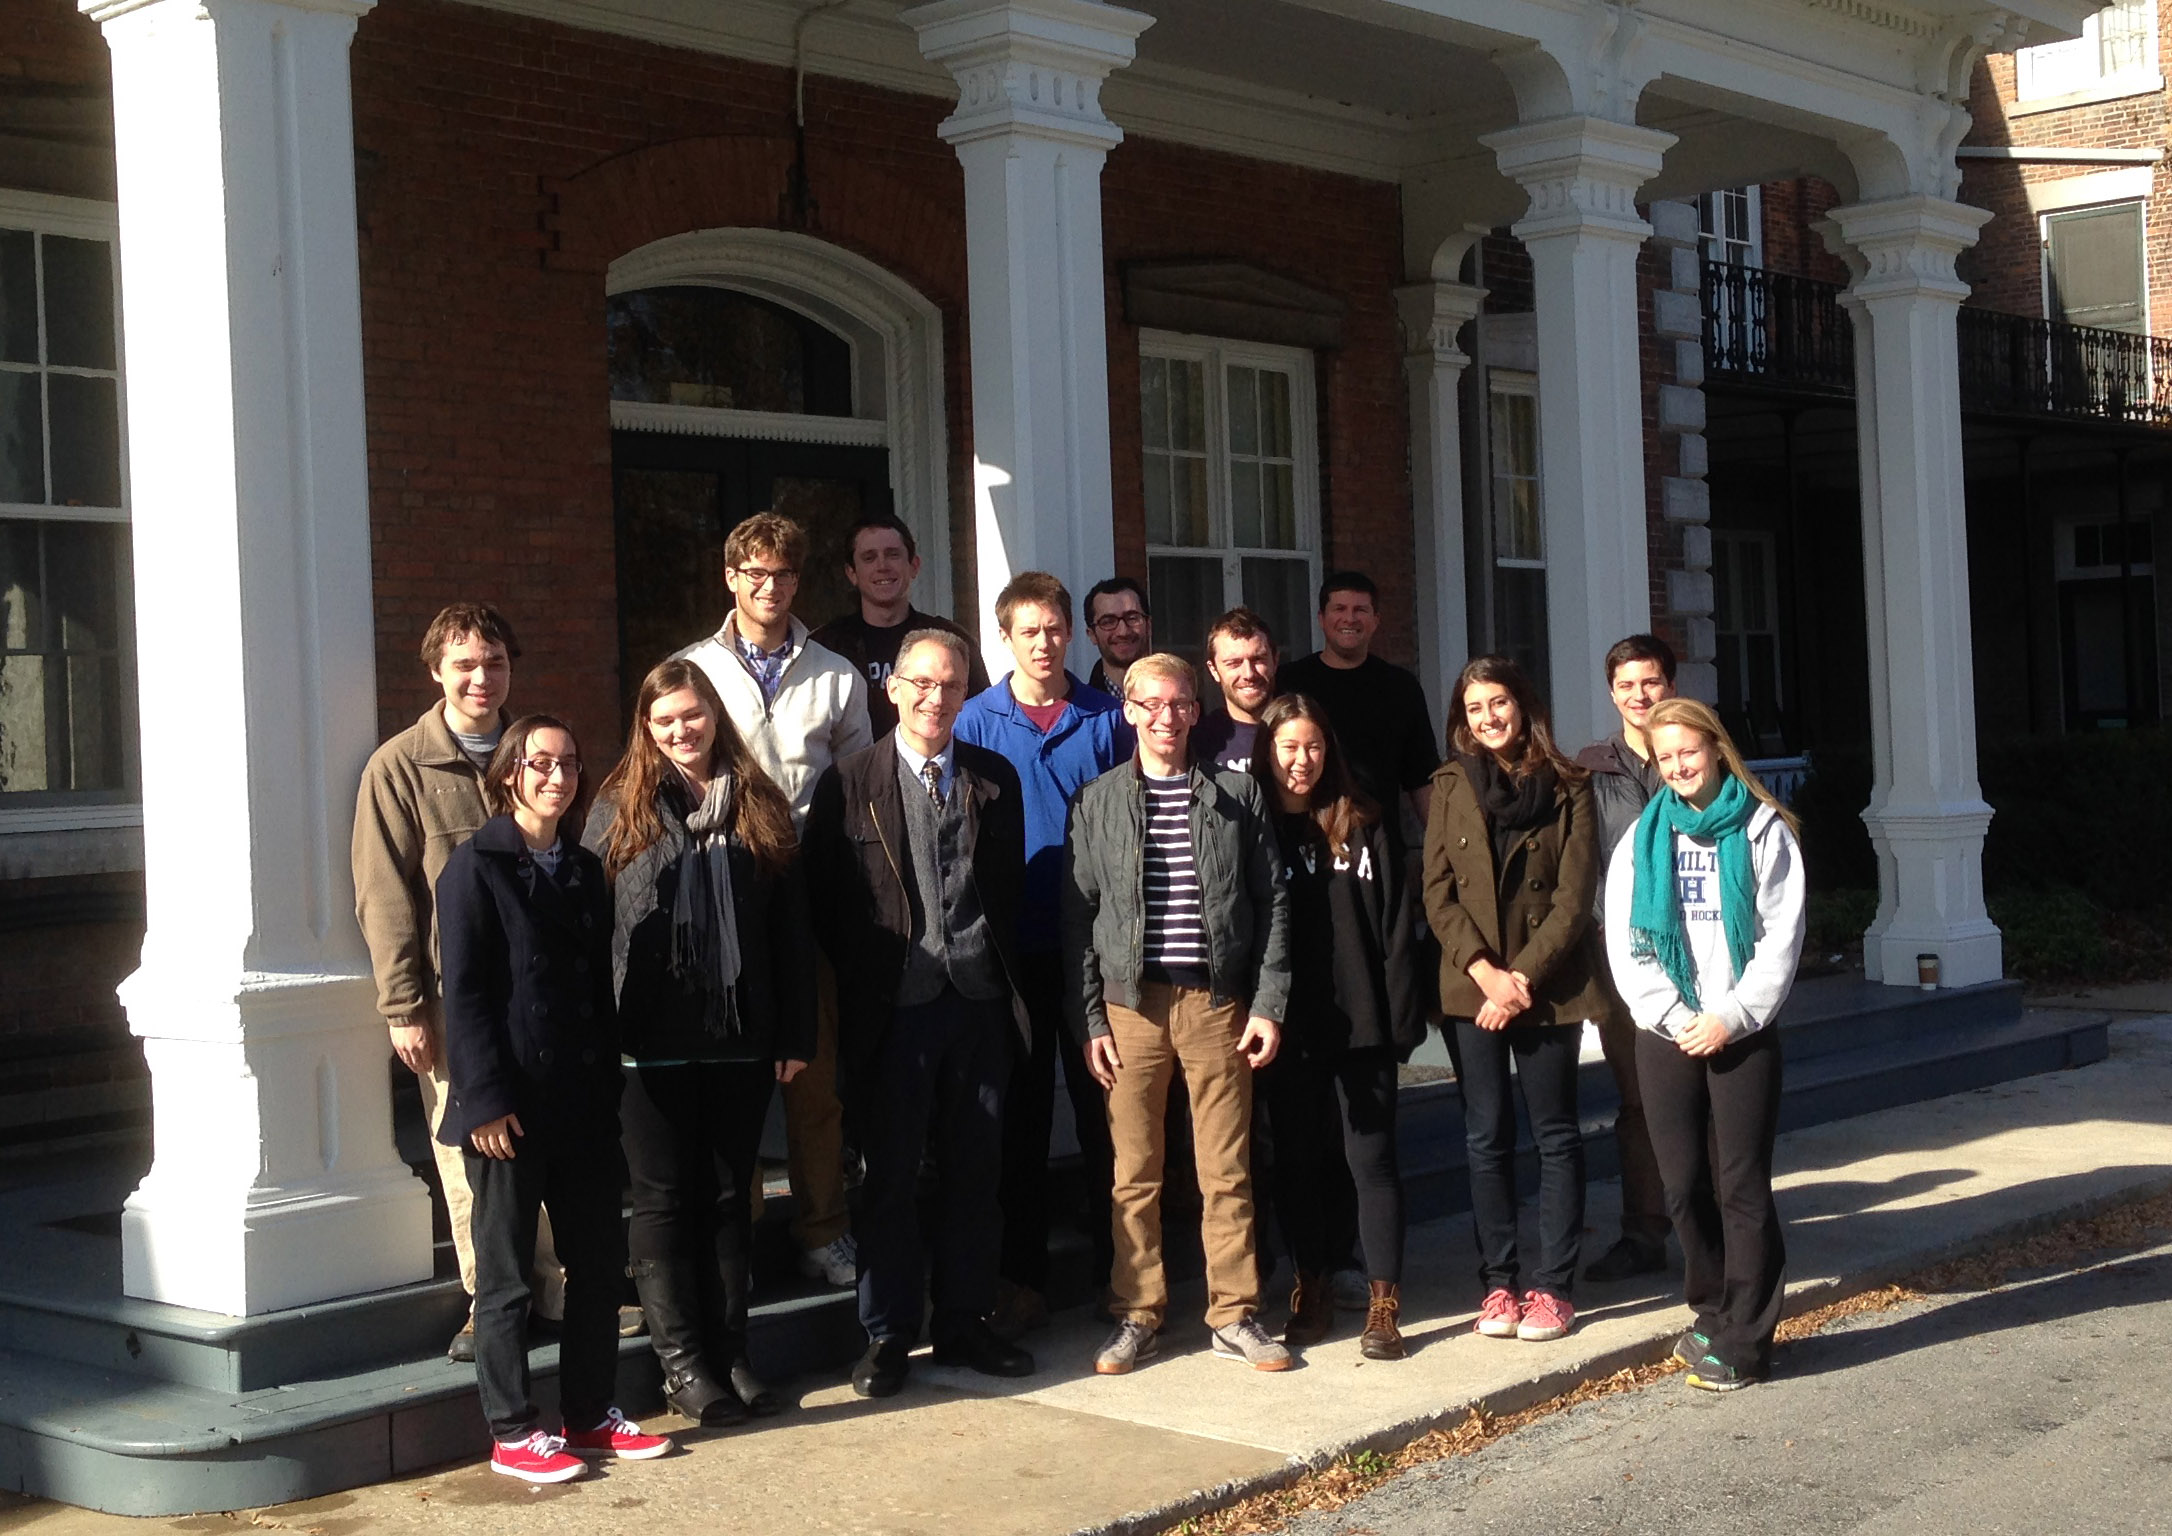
column 1038, row 588
column 1698, row 716
column 1339, row 808
column 456, row 620
column 1538, row 730
column 766, row 533
column 1640, row 648
column 761, row 816
column 1239, row 624
column 501, row 797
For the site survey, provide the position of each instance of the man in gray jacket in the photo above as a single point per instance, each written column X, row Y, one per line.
column 1176, row 939
column 1639, row 673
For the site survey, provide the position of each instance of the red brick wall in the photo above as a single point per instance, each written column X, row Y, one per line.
column 503, row 163
column 2005, row 270
column 1791, row 245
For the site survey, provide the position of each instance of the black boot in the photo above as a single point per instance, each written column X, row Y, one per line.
column 724, row 1288
column 670, row 1300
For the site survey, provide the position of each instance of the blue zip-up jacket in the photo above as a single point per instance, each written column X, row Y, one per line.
column 1088, row 740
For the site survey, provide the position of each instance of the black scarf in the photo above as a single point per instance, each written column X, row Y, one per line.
column 1512, row 809
column 704, row 921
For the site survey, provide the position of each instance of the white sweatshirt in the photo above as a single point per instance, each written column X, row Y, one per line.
column 818, row 716
column 1747, row 1002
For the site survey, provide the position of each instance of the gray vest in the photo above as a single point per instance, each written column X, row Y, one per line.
column 951, row 942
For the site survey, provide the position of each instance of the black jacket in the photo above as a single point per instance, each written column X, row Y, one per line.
column 1364, row 927
column 858, row 863
column 529, row 1025
column 660, row 1018
column 1621, row 785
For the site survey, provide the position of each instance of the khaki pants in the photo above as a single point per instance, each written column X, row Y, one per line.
column 547, row 1284
column 814, row 1130
column 1179, row 1027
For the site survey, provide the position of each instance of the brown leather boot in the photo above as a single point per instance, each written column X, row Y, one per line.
column 1380, row 1340
column 1312, row 1311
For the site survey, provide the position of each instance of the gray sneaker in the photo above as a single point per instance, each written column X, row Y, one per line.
column 1126, row 1347
column 835, row 1263
column 1351, row 1290
column 1246, row 1340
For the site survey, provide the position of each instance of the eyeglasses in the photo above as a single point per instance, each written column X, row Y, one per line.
column 1110, row 623
column 1154, row 709
column 757, row 577
column 547, row 767
column 923, row 686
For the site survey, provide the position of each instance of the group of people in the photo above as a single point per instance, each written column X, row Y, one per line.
column 842, row 863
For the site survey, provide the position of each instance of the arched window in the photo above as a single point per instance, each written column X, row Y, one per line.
column 722, row 349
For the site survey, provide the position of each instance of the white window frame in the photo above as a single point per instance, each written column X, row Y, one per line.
column 1218, row 355
column 2050, row 76
column 83, row 218
column 2043, row 252
column 1712, row 239
column 1726, row 546
column 1514, row 382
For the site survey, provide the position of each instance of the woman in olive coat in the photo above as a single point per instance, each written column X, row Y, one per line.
column 1511, row 872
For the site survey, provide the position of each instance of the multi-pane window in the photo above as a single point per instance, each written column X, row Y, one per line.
column 2095, row 267
column 67, row 705
column 1746, row 623
column 1731, row 226
column 2116, row 52
column 1232, row 502
column 1518, row 527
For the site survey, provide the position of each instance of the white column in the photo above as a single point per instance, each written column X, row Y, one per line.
column 1434, row 314
column 1031, row 134
column 275, row 1181
column 1927, row 815
column 1582, row 230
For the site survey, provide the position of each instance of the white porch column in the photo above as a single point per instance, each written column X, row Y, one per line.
column 1434, row 314
column 1927, row 814
column 1582, row 230
column 1031, row 134
column 275, row 1181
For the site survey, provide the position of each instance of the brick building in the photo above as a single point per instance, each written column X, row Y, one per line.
column 529, row 300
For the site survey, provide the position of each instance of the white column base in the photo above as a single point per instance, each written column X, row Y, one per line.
column 1930, row 881
column 276, row 1182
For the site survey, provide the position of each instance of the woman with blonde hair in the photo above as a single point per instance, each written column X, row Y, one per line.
column 713, row 966
column 1704, row 924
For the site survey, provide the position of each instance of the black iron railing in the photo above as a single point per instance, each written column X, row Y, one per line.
column 1773, row 330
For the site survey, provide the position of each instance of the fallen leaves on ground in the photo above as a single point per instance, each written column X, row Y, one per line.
column 2069, row 1246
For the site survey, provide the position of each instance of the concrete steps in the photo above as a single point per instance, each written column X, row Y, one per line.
column 142, row 1409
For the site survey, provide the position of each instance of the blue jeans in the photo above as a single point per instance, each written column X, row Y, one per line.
column 1545, row 1057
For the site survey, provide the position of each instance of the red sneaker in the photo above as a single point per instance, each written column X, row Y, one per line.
column 1497, row 1319
column 1545, row 1316
column 616, row 1436
column 541, row 1458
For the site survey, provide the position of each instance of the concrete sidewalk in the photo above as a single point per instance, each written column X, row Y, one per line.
column 1864, row 1199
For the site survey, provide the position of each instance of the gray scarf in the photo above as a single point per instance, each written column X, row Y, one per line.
column 704, row 919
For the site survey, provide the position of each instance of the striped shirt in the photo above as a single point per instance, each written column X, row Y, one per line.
column 1176, row 934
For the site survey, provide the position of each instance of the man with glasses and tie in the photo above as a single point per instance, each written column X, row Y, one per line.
column 1122, row 631
column 800, row 707
column 916, row 857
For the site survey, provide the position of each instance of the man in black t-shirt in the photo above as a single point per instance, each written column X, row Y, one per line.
column 883, row 563
column 1241, row 660
column 1378, row 708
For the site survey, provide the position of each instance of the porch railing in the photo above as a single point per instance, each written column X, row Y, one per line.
column 1778, row 331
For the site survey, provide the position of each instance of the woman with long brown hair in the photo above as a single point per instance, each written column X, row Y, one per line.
column 1356, row 1009
column 1511, row 872
column 1705, row 912
column 713, row 966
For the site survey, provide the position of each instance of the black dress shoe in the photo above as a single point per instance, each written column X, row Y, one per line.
column 881, row 1371
column 752, row 1391
column 461, row 1351
column 1626, row 1260
column 976, row 1345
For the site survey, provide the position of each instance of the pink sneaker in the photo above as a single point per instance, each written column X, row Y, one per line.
column 1545, row 1316
column 617, row 1436
column 1497, row 1319
column 541, row 1458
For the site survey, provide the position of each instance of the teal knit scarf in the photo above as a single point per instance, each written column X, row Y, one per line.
column 1655, row 911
